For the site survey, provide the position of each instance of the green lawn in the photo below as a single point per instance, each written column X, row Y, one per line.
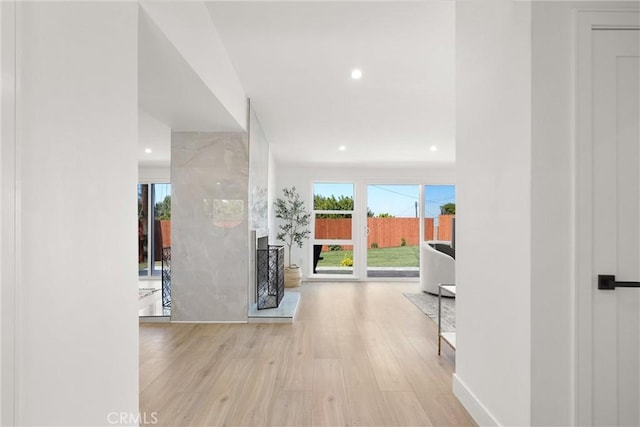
column 400, row 256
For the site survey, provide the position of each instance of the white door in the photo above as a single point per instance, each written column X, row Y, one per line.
column 615, row 244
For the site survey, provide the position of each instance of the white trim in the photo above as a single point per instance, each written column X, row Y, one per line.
column 573, row 315
column 472, row 404
column 585, row 23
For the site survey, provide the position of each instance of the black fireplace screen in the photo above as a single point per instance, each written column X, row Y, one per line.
column 270, row 276
column 166, row 277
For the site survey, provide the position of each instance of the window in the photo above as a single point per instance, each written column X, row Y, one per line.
column 439, row 212
column 333, row 208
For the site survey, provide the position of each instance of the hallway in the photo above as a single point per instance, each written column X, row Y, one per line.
column 356, row 354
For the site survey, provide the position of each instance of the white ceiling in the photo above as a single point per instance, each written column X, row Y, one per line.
column 294, row 60
column 154, row 136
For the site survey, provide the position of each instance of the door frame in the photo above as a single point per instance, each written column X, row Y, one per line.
column 10, row 259
column 585, row 21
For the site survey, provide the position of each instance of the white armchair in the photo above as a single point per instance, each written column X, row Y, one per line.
column 436, row 268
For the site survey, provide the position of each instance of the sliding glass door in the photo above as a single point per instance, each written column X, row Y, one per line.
column 154, row 227
column 393, row 230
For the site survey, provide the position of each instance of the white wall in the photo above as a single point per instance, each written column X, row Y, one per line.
column 303, row 177
column 493, row 257
column 77, row 348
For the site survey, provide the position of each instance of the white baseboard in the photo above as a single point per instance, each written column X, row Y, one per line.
column 154, row 319
column 208, row 321
column 473, row 406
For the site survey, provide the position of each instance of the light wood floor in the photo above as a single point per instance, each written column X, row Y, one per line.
column 357, row 354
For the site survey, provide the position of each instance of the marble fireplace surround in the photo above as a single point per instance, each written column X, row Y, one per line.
column 219, row 210
column 210, row 233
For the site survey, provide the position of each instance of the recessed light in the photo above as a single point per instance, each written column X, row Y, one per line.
column 147, row 150
column 356, row 74
column 433, row 148
column 342, row 148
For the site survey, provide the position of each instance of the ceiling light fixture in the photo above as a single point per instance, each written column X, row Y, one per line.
column 356, row 74
column 342, row 148
column 147, row 150
column 433, row 148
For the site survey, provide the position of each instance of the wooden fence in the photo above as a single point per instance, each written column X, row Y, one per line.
column 162, row 237
column 387, row 232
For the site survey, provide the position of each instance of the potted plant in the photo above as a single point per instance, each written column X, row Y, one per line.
column 294, row 229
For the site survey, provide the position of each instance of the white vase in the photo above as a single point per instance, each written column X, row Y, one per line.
column 292, row 276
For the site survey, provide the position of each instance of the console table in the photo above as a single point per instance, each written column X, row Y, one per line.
column 448, row 337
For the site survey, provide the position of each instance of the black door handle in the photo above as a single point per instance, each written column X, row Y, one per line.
column 608, row 281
